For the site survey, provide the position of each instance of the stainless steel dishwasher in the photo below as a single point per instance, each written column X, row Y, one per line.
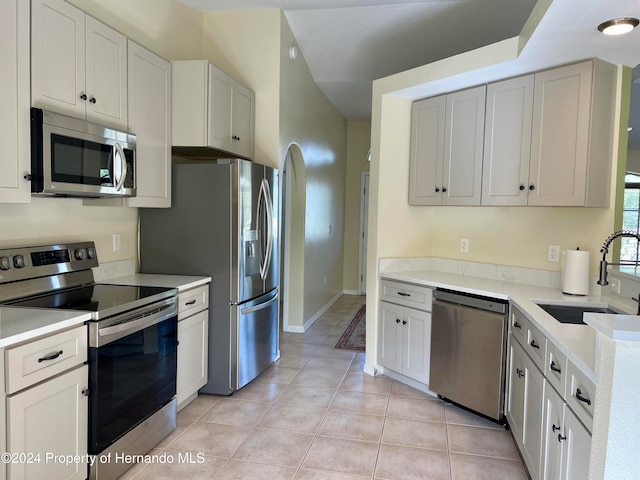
column 468, row 351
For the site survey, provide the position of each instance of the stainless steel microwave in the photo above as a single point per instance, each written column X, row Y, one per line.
column 72, row 157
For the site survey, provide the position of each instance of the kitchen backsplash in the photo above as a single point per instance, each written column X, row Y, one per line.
column 505, row 273
column 109, row 270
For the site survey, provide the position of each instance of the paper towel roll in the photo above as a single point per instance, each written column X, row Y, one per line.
column 575, row 272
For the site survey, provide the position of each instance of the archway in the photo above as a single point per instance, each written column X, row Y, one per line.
column 292, row 224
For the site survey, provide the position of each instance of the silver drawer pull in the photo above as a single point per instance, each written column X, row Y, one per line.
column 53, row 356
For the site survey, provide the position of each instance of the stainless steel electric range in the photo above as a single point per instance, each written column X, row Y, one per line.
column 132, row 345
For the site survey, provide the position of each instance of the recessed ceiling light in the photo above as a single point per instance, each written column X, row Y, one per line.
column 618, row 26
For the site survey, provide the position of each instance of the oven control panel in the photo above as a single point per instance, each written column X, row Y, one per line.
column 24, row 263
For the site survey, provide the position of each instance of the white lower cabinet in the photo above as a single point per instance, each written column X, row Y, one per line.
column 46, row 386
column 404, row 336
column 193, row 338
column 524, row 406
column 576, row 449
column 567, row 442
column 554, row 443
column 46, row 423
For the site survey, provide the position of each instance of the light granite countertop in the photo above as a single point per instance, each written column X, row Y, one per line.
column 19, row 325
column 180, row 282
column 578, row 342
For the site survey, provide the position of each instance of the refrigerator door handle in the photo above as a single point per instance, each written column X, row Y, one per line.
column 260, row 306
column 269, row 205
column 264, row 200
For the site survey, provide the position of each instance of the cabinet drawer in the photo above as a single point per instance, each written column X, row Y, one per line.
column 193, row 301
column 581, row 395
column 35, row 361
column 536, row 346
column 555, row 368
column 406, row 294
column 518, row 325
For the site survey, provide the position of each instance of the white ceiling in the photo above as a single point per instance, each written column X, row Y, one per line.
column 349, row 43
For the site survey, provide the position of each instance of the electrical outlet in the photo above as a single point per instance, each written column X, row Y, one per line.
column 464, row 245
column 615, row 285
column 117, row 242
column 553, row 253
column 325, row 279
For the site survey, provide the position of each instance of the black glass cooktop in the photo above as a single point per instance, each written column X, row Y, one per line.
column 102, row 299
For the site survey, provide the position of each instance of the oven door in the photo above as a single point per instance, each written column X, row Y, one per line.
column 132, row 370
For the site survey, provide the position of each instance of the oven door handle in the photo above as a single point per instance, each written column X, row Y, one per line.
column 140, row 321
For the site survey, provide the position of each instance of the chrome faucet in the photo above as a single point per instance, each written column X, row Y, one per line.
column 605, row 249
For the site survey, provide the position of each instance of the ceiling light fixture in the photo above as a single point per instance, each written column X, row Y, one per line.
column 618, row 26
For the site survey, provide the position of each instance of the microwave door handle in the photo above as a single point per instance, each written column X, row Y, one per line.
column 123, row 166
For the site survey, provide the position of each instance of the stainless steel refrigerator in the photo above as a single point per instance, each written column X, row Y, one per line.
column 223, row 224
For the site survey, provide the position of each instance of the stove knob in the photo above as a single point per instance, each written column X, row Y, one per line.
column 80, row 253
column 5, row 263
column 18, row 261
column 91, row 252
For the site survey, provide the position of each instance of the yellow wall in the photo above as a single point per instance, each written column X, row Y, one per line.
column 309, row 121
column 246, row 45
column 166, row 27
column 358, row 144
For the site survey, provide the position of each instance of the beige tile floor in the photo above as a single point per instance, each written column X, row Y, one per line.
column 315, row 416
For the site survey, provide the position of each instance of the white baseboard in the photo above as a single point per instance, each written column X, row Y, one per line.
column 320, row 312
column 351, row 292
column 295, row 329
column 409, row 382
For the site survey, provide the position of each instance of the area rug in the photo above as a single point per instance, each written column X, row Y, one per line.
column 354, row 337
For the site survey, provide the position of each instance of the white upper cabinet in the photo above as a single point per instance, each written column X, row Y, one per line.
column 446, row 149
column 507, row 142
column 211, row 109
column 14, row 98
column 544, row 139
column 79, row 65
column 427, row 151
column 464, row 132
column 150, row 120
column 572, row 131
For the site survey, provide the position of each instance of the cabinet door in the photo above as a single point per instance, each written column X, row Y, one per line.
column 14, row 98
column 507, row 142
column 390, row 336
column 577, row 449
column 58, row 57
column 516, row 390
column 106, row 74
column 150, row 120
column 192, row 355
column 50, row 418
column 554, row 408
column 220, row 109
column 416, row 330
column 532, row 429
column 427, row 151
column 464, row 134
column 243, row 121
column 560, row 135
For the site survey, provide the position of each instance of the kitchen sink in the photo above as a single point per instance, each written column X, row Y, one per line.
column 571, row 313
